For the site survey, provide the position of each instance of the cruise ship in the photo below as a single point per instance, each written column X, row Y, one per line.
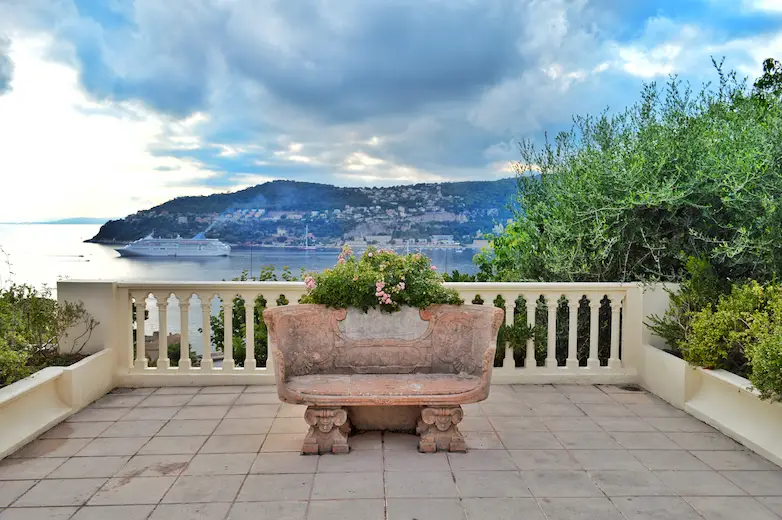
column 198, row 246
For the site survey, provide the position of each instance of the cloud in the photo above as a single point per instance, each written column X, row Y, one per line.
column 6, row 66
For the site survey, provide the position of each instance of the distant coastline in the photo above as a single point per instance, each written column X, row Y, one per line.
column 75, row 220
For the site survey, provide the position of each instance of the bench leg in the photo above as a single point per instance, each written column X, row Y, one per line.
column 438, row 430
column 329, row 428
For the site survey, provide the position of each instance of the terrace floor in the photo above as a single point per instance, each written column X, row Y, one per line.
column 536, row 453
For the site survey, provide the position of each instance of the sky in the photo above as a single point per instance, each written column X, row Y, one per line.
column 108, row 107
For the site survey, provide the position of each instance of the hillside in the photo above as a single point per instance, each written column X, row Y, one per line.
column 279, row 212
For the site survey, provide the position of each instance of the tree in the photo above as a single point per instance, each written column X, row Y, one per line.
column 633, row 196
column 769, row 85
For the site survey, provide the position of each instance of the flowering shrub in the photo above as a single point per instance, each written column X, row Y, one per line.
column 379, row 278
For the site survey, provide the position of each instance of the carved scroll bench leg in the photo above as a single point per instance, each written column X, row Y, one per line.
column 438, row 431
column 329, row 429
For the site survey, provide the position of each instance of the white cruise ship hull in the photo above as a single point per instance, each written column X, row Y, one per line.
column 175, row 247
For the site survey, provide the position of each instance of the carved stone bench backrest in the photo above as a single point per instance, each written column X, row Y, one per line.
column 441, row 339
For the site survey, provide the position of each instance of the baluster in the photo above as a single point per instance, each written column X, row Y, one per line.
column 228, row 332
column 616, row 307
column 162, row 336
column 594, row 312
column 271, row 301
column 141, row 310
column 184, row 332
column 551, row 343
column 531, row 304
column 206, row 336
column 128, row 355
column 249, row 340
column 508, row 361
column 572, row 341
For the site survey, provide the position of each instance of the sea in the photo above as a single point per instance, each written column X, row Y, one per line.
column 43, row 254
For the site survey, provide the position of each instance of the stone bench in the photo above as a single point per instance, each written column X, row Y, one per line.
column 405, row 371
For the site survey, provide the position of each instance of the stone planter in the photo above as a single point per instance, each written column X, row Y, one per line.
column 403, row 371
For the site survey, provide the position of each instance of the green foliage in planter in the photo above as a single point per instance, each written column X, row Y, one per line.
column 380, row 278
column 741, row 333
column 13, row 364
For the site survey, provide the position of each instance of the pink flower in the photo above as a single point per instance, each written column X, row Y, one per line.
column 433, row 268
column 401, row 286
column 309, row 283
column 340, row 260
column 379, row 285
column 369, row 254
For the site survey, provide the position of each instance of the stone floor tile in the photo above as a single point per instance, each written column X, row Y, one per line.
column 118, row 401
column 679, row 424
column 587, row 440
column 223, row 389
column 425, row 509
column 579, row 509
column 543, row 398
column 177, row 428
column 735, row 460
column 132, row 490
column 330, row 486
column 253, row 398
column 634, row 398
column 400, row 441
column 607, row 459
column 506, row 409
column 38, row 513
column 621, row 389
column 624, row 483
column 606, row 410
column 202, row 412
column 644, row 441
column 773, row 503
column 534, row 389
column 502, row 509
column 133, row 429
column 669, row 460
column 162, row 413
column 66, row 492
column 660, row 409
column 51, row 448
column 213, row 511
column 177, row 390
column 156, row 400
column 514, row 424
column 591, row 398
column 483, row 441
column 704, row 441
column 137, row 512
column 730, row 508
column 291, row 410
column 574, row 389
column 266, row 511
column 173, row 445
column 253, row 411
column 113, row 446
column 757, row 483
column 89, row 467
column 283, row 442
column 624, row 424
column 261, row 389
column 655, row 508
column 132, row 391
column 489, row 460
column 529, row 440
column 476, row 424
column 544, row 459
column 473, row 410
column 284, row 462
column 98, row 414
column 560, row 484
column 491, row 484
column 220, row 464
column 359, row 460
column 76, row 430
column 570, row 424
column 24, row 469
column 195, row 489
column 699, row 483
column 154, row 466
column 421, row 484
column 412, row 461
column 289, row 425
column 233, row 444
column 246, row 426
column 366, row 509
column 366, row 441
column 212, row 399
column 558, row 410
column 272, row 488
column 10, row 490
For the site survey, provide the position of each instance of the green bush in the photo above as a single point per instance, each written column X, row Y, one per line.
column 765, row 356
column 380, row 278
column 13, row 364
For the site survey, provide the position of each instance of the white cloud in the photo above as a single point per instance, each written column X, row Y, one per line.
column 774, row 6
column 66, row 155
